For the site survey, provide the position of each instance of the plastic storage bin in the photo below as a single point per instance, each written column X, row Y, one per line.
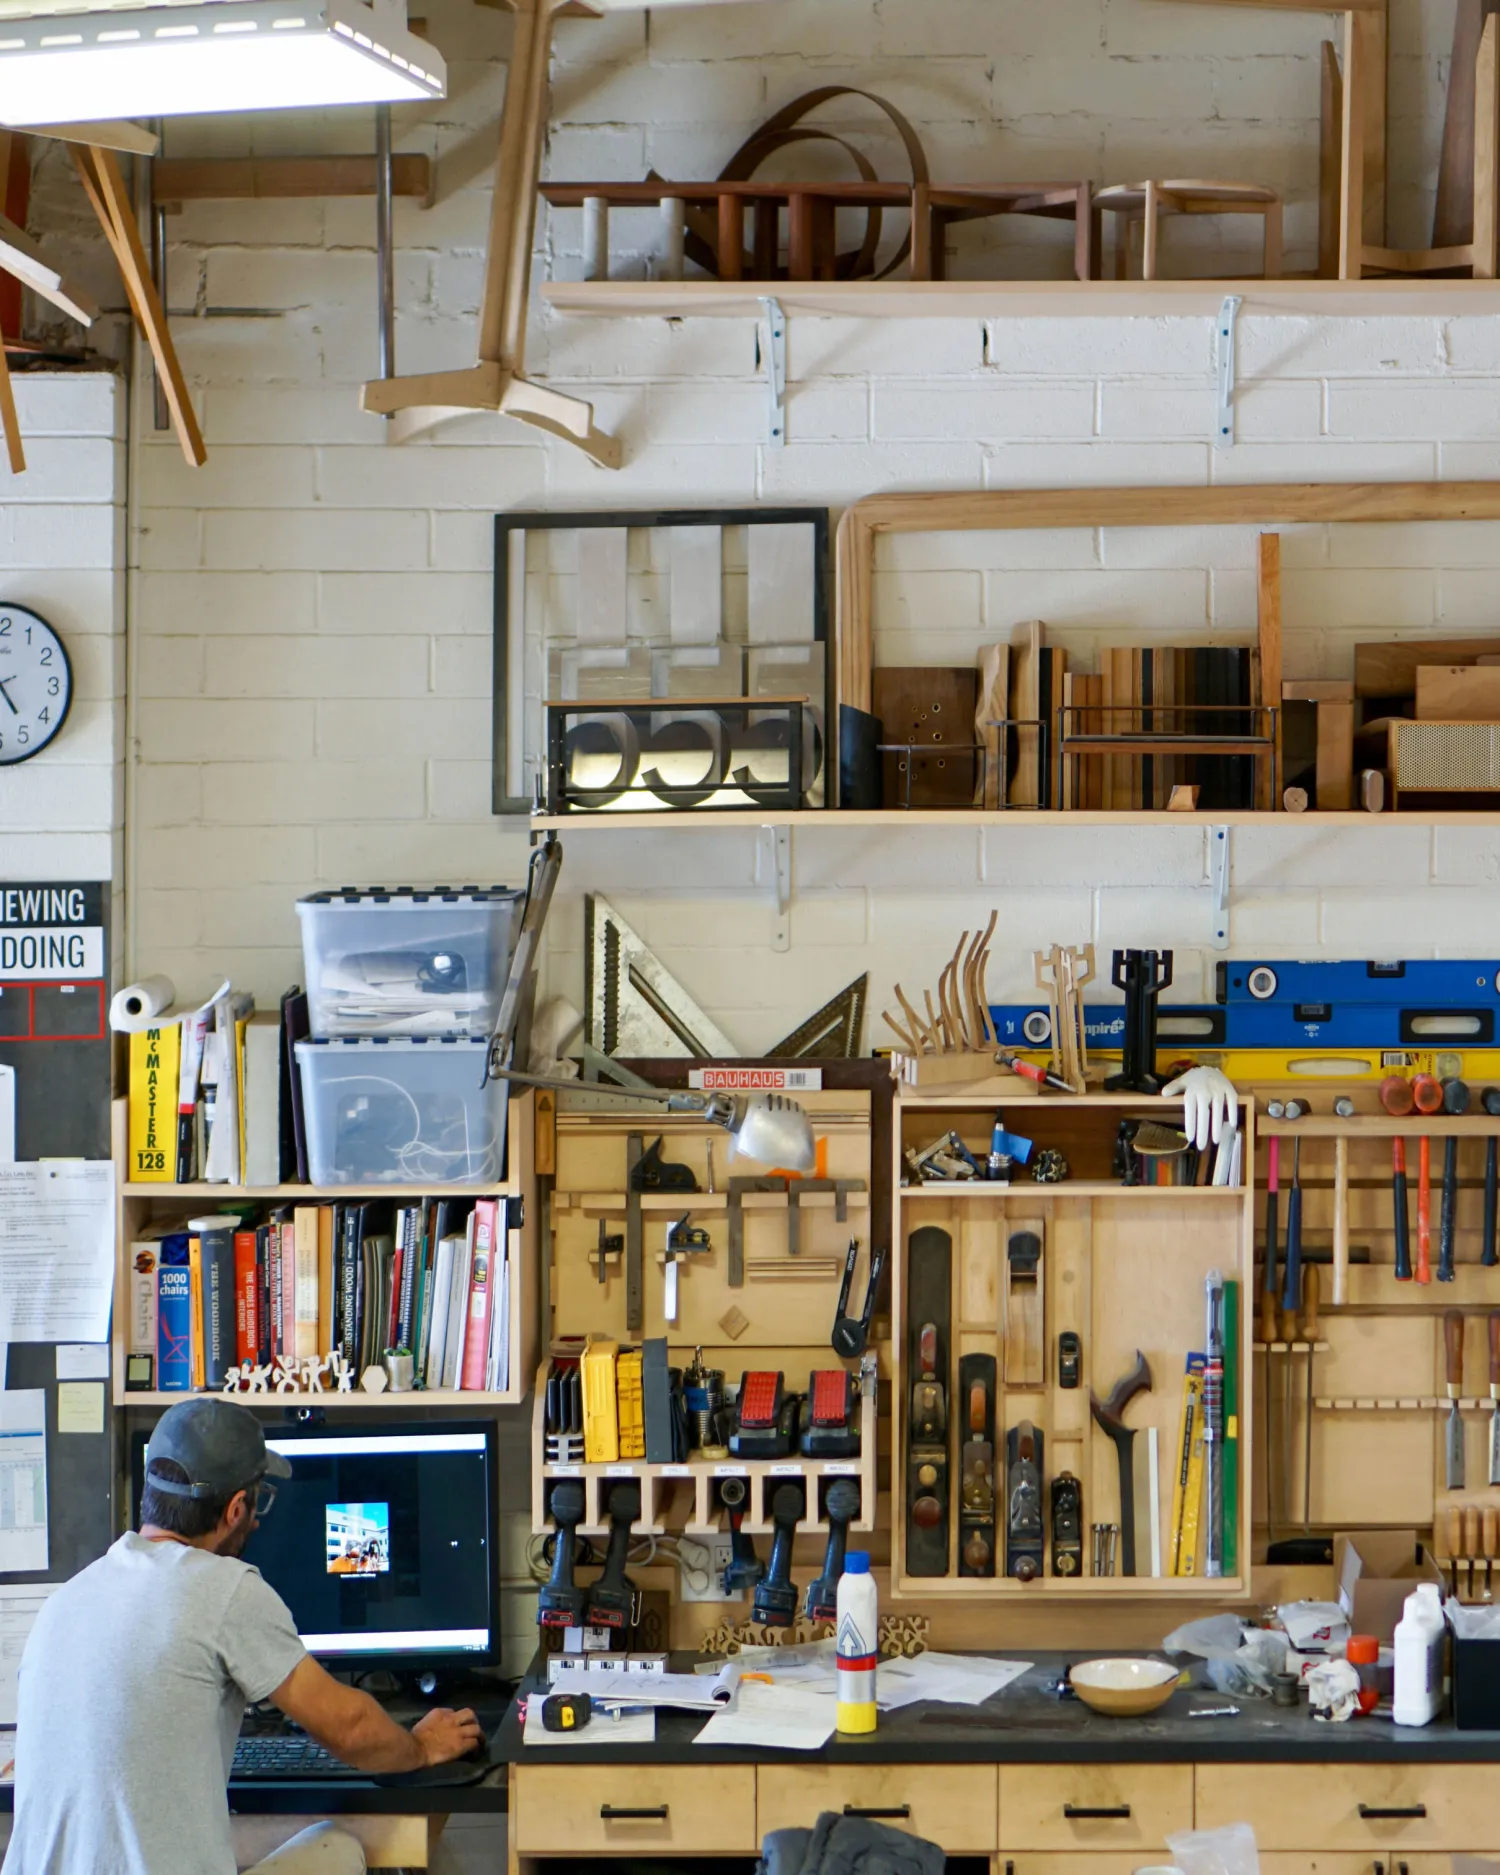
column 406, row 961
column 402, row 1110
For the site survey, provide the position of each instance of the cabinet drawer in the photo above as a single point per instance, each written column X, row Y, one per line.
column 1333, row 1806
column 953, row 1805
column 1045, row 1806
column 1070, row 1862
column 1320, row 1862
column 566, row 1809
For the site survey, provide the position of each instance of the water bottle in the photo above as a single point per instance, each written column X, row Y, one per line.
column 858, row 1619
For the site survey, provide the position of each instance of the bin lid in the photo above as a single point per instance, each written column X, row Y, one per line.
column 404, row 895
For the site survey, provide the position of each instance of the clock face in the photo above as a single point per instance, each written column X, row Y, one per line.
column 36, row 684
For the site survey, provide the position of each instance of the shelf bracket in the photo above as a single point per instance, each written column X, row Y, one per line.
column 1229, row 314
column 781, row 882
column 773, row 357
column 1218, row 878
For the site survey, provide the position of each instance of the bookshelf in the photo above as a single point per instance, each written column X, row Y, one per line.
column 138, row 1205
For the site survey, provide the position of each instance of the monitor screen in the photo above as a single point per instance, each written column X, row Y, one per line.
column 382, row 1541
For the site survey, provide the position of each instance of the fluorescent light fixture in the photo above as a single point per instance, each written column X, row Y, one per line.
column 223, row 55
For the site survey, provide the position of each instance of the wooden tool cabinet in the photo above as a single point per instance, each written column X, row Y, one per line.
column 1124, row 1267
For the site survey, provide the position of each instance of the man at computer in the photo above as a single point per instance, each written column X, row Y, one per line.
column 138, row 1672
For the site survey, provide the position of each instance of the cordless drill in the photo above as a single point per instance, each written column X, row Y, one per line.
column 745, row 1567
column 776, row 1597
column 560, row 1603
column 841, row 1507
column 607, row 1603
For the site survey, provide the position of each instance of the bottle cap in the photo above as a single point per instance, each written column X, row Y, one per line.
column 1363, row 1650
column 857, row 1563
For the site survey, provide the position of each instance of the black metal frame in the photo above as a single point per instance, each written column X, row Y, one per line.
column 766, row 795
column 507, row 524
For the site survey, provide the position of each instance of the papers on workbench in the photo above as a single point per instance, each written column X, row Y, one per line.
column 810, row 1664
column 779, row 1717
column 629, row 1728
column 23, row 1481
column 946, row 1679
column 688, row 1692
column 18, row 1609
column 57, row 1250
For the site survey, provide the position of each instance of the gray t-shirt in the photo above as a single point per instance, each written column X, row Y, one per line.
column 132, row 1688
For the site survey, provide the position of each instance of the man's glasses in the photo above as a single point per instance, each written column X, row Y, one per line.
column 265, row 1496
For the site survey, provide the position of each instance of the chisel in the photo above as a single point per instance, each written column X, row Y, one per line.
column 1398, row 1188
column 1489, row 1253
column 1455, row 1101
column 1291, row 1294
column 1310, row 1328
column 1494, row 1327
column 1424, row 1210
column 1453, row 1348
column 1268, row 1296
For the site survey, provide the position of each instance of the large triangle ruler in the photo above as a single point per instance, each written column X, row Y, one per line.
column 636, row 1007
column 832, row 1033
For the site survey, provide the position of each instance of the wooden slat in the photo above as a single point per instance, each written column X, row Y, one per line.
column 1390, row 670
column 224, row 179
column 14, row 448
column 1268, row 639
column 1330, row 157
column 112, row 205
column 1351, row 159
column 105, row 135
column 1453, row 211
column 1371, row 35
column 1486, row 204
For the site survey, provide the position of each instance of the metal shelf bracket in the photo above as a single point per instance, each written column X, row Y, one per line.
column 1219, row 856
column 1228, row 341
column 773, row 357
column 780, row 856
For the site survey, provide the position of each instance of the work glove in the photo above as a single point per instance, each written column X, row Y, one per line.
column 1208, row 1103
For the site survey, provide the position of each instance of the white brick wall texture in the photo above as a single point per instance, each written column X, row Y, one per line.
column 314, row 608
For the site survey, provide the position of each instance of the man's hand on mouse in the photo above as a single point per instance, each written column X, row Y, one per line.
column 445, row 1735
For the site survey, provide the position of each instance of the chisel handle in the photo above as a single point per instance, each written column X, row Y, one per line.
column 1449, row 1225
column 1494, row 1335
column 1488, row 1254
column 1403, row 1235
column 1341, row 1223
column 1424, row 1211
column 1291, row 1294
column 1453, row 1351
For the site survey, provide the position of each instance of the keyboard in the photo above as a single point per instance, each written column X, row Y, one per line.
column 287, row 1757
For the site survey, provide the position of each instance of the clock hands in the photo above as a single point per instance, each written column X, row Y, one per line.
column 6, row 694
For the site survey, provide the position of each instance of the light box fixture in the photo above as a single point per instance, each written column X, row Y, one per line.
column 222, row 55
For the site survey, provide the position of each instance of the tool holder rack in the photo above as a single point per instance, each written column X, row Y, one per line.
column 682, row 1497
column 1124, row 1267
column 1379, row 1403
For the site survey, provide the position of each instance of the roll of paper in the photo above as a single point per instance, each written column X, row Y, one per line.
column 141, row 1005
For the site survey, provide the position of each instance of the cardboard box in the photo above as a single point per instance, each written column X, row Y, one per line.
column 1375, row 1571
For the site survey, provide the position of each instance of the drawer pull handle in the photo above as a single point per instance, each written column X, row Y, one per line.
column 1076, row 1812
column 609, row 1814
column 1411, row 1812
column 901, row 1812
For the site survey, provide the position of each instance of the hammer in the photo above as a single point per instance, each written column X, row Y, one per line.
column 1109, row 1415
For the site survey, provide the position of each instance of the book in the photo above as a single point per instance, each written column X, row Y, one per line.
column 458, row 1305
column 286, row 1328
column 304, row 1335
column 195, row 1308
column 145, row 1263
column 1231, row 1449
column 348, row 1281
column 261, row 1107
column 449, row 1251
column 247, row 1270
column 295, row 1027
column 477, row 1322
column 174, row 1315
column 330, row 1222
column 193, row 1027
column 151, row 1131
column 217, row 1301
column 404, row 1277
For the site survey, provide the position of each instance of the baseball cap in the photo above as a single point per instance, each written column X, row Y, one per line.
column 218, row 1444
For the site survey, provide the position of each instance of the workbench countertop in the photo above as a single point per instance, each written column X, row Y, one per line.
column 1036, row 1727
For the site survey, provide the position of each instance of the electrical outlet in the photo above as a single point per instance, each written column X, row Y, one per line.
column 701, row 1566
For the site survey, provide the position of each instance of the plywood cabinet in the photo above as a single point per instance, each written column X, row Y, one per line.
column 950, row 1804
column 634, row 1810
column 1377, row 1810
column 1094, row 1806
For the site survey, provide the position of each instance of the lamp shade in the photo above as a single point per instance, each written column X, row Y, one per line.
column 224, row 55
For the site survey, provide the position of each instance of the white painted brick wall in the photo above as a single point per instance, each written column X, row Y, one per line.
column 61, row 527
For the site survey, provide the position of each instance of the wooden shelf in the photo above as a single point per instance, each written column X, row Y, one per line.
column 923, row 819
column 1029, row 1192
column 306, row 1194
column 1016, row 299
column 437, row 1396
column 1385, row 1125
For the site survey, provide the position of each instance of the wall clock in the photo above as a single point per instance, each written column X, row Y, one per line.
column 36, row 684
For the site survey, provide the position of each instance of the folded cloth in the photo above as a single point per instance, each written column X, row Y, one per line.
column 848, row 1845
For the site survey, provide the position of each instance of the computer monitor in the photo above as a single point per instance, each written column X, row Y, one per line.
column 383, row 1542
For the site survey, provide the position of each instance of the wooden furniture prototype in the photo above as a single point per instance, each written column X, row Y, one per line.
column 939, row 206
column 1143, row 204
column 138, row 1205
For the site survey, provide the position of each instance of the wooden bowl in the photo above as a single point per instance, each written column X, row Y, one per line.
column 1124, row 1689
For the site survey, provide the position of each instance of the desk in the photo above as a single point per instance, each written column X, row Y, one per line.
column 1339, row 1798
